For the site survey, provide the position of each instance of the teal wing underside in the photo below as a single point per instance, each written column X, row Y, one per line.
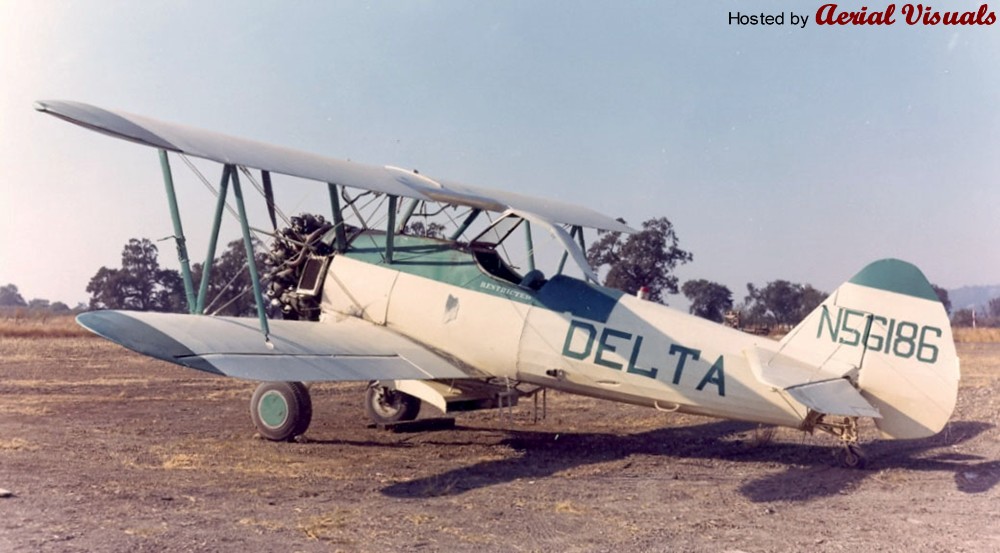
column 342, row 350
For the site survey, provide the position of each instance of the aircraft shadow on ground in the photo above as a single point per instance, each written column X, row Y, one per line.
column 811, row 471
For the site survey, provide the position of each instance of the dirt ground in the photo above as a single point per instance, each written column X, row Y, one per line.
column 104, row 450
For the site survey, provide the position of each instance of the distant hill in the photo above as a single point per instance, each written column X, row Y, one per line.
column 967, row 297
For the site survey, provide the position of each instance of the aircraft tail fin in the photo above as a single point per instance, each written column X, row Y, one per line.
column 887, row 330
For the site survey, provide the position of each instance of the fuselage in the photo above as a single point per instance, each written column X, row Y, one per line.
column 564, row 334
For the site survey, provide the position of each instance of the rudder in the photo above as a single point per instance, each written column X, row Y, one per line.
column 887, row 329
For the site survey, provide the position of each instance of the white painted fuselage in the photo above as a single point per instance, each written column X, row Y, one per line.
column 592, row 341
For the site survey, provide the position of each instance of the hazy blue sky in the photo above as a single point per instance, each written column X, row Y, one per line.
column 778, row 152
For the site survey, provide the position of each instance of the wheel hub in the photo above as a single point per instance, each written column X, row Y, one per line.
column 386, row 402
column 273, row 409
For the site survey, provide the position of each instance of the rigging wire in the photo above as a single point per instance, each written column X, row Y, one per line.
column 211, row 188
column 207, row 184
column 260, row 189
column 226, row 287
column 232, row 212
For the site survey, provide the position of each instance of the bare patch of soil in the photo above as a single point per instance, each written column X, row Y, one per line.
column 105, row 450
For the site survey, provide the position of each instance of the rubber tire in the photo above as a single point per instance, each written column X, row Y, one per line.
column 281, row 410
column 385, row 406
column 853, row 457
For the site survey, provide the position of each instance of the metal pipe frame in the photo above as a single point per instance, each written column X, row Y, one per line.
column 338, row 218
column 251, row 261
column 405, row 219
column 465, row 224
column 265, row 177
column 206, row 269
column 175, row 216
column 530, row 245
column 390, row 228
column 572, row 234
column 579, row 238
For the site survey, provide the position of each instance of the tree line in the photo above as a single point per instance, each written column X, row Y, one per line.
column 648, row 258
column 140, row 283
column 645, row 259
column 988, row 315
column 10, row 297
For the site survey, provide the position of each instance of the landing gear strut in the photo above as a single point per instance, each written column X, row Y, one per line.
column 846, row 428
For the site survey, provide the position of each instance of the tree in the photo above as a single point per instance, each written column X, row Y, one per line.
column 780, row 302
column 418, row 228
column 140, row 284
column 993, row 308
column 809, row 299
column 709, row 300
column 963, row 317
column 39, row 304
column 646, row 258
column 942, row 295
column 59, row 308
column 230, row 289
column 10, row 297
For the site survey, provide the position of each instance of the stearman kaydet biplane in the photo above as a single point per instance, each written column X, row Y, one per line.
column 451, row 320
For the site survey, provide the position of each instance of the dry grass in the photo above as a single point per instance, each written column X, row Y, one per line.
column 27, row 410
column 146, row 531
column 262, row 525
column 419, row 518
column 182, row 461
column 41, row 325
column 17, row 444
column 966, row 335
column 567, row 507
column 328, row 527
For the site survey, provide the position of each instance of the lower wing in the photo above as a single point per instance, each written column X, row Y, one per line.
column 335, row 350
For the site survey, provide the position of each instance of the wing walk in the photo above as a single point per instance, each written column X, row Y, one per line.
column 258, row 155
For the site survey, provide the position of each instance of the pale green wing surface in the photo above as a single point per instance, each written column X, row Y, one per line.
column 342, row 350
column 258, row 155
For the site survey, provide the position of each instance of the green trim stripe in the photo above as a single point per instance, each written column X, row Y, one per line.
column 437, row 260
column 893, row 275
column 441, row 261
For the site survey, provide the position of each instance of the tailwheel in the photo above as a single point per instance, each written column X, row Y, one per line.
column 853, row 457
column 846, row 428
column 281, row 410
column 385, row 405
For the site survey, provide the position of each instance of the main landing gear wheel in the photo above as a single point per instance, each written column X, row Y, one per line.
column 385, row 405
column 281, row 410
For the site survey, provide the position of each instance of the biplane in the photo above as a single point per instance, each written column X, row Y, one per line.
column 451, row 321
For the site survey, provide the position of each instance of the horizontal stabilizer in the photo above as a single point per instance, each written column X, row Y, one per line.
column 782, row 371
column 820, row 388
column 834, row 397
column 341, row 350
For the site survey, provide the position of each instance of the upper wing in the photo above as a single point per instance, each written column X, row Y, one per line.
column 348, row 349
column 258, row 155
